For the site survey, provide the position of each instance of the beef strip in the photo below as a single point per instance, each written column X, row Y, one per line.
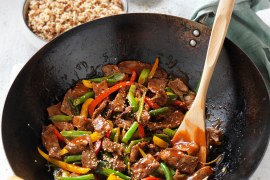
column 177, row 159
column 145, row 117
column 179, row 176
column 213, row 136
column 118, row 104
column 129, row 66
column 89, row 159
column 82, row 123
column 78, row 91
column 135, row 153
column 155, row 84
column 123, row 123
column 191, row 148
column 201, row 173
column 101, row 125
column 98, row 88
column 189, row 98
column 160, row 97
column 116, row 163
column 54, row 110
column 173, row 120
column 144, row 167
column 50, row 141
column 114, row 147
column 78, row 144
column 109, row 69
column 178, row 86
column 64, row 126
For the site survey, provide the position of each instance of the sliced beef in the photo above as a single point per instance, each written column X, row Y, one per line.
column 173, row 120
column 82, row 123
column 135, row 153
column 129, row 66
column 78, row 144
column 155, row 84
column 191, row 148
column 78, row 91
column 139, row 90
column 98, row 88
column 101, row 125
column 65, row 107
column 89, row 159
column 123, row 123
column 145, row 117
column 189, row 98
column 144, row 167
column 109, row 69
column 54, row 110
column 50, row 141
column 100, row 108
column 179, row 160
column 201, row 173
column 113, row 147
column 213, row 136
column 64, row 126
column 178, row 86
column 118, row 104
column 160, row 97
column 117, row 164
column 179, row 176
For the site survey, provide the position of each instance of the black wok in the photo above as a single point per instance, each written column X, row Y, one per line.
column 237, row 94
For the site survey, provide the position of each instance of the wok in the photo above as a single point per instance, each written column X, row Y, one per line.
column 237, row 94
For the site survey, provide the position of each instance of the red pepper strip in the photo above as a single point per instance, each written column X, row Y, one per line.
column 105, row 94
column 133, row 76
column 97, row 146
column 141, row 131
column 151, row 178
column 181, row 104
column 150, row 103
column 108, row 134
column 58, row 135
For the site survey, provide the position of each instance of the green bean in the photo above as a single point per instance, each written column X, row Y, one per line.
column 130, row 132
column 110, row 79
column 169, row 132
column 75, row 109
column 108, row 171
column 158, row 111
column 166, row 171
column 114, row 130
column 83, row 98
column 73, row 158
column 134, row 142
column 143, row 76
column 131, row 98
column 60, row 118
column 168, row 89
column 83, row 177
column 72, row 134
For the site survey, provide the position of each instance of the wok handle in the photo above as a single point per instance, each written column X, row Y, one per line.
column 217, row 37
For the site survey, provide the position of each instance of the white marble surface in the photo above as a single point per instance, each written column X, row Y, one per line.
column 16, row 50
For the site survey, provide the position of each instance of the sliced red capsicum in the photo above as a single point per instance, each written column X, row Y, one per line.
column 141, row 131
column 150, row 103
column 58, row 135
column 106, row 93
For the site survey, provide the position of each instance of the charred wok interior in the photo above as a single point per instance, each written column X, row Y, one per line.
column 121, row 124
column 238, row 98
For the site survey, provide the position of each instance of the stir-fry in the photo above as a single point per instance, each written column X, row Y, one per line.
column 120, row 126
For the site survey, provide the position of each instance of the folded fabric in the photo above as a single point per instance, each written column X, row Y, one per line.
column 246, row 30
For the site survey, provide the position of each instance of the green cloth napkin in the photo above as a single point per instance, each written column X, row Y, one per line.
column 246, row 30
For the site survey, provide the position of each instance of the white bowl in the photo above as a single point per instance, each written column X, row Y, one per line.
column 34, row 39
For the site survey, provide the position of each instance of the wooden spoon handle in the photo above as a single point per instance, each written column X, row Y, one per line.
column 220, row 26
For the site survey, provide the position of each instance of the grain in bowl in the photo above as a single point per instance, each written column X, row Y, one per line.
column 50, row 18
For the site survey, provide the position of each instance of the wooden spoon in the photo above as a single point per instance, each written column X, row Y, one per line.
column 192, row 128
